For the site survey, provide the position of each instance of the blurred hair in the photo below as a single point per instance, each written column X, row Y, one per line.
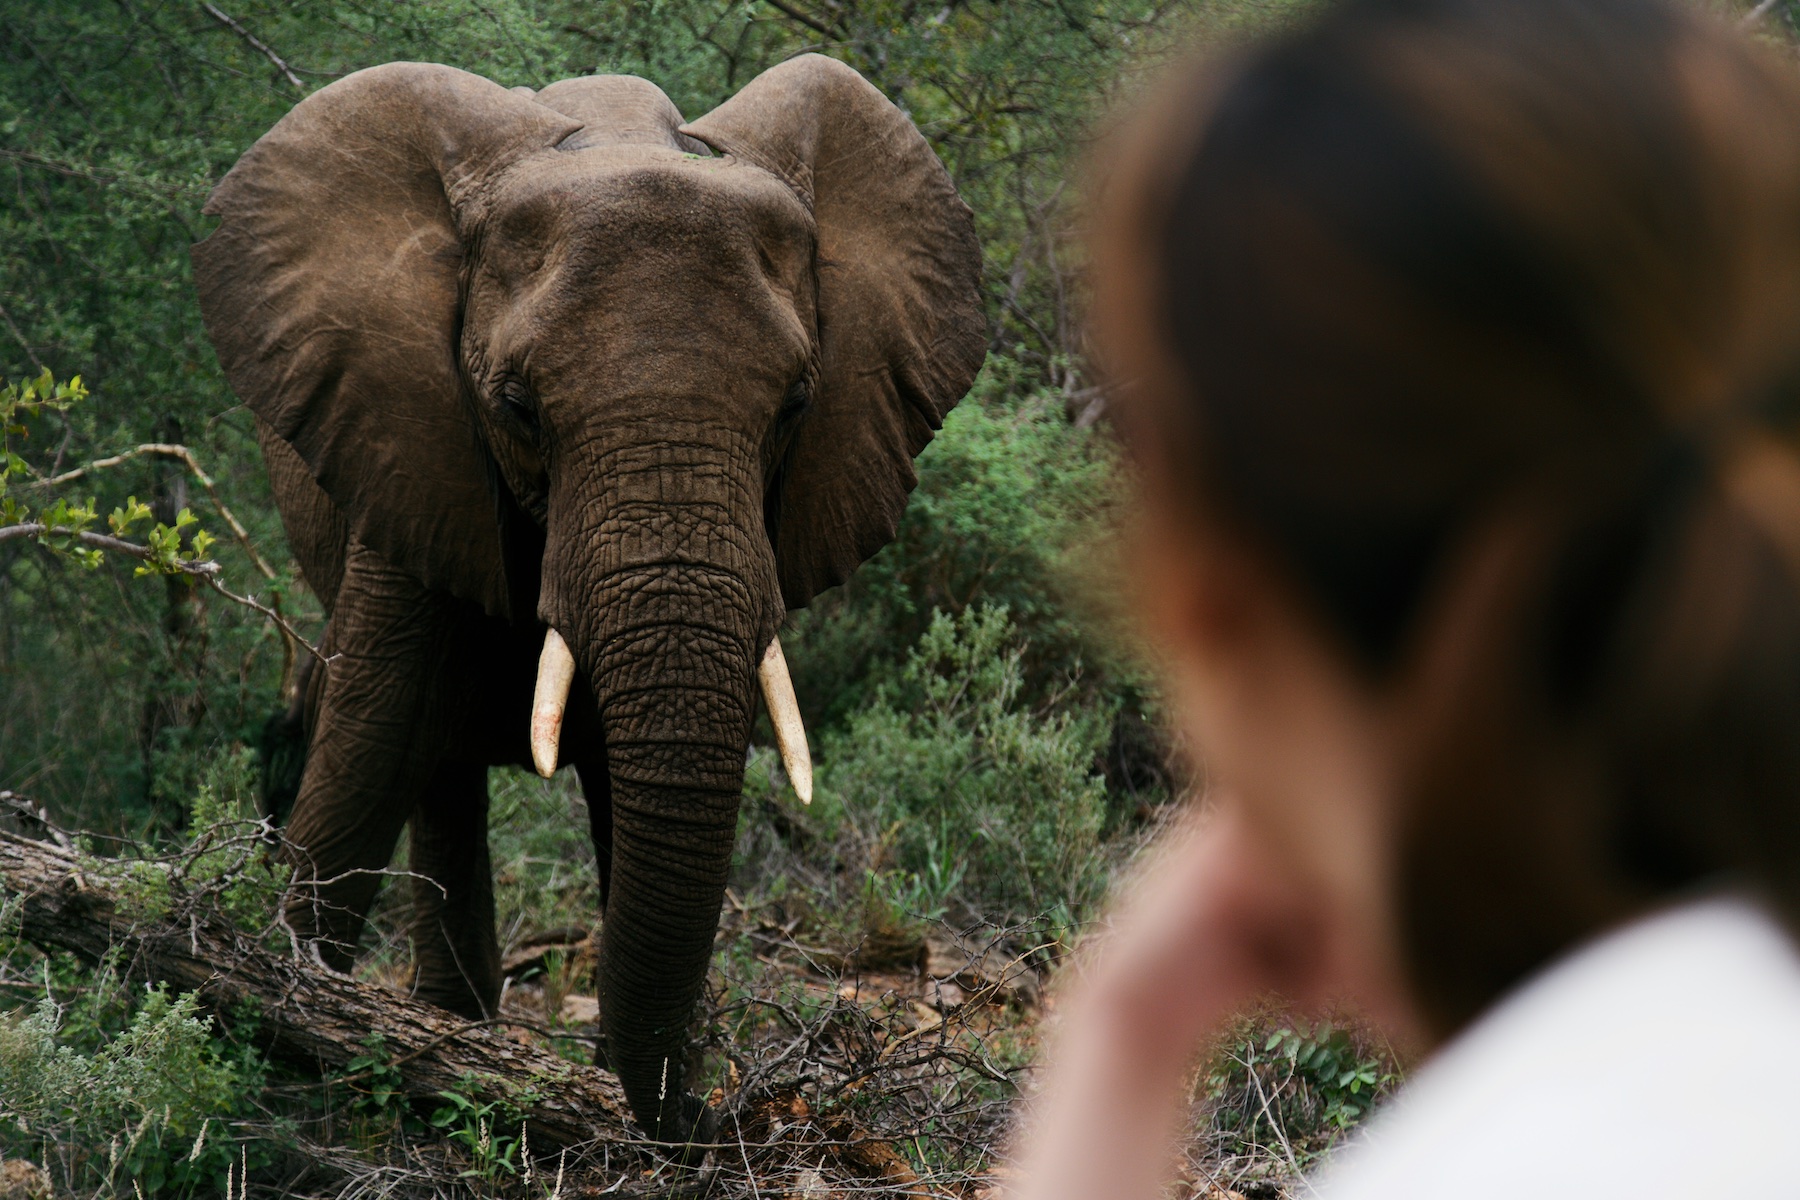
column 1504, row 290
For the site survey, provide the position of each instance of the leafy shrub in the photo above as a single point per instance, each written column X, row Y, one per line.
column 1009, row 496
column 132, row 1089
column 955, row 785
column 151, row 1105
column 1293, row 1086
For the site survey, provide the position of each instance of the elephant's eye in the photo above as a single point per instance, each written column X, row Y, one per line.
column 796, row 400
column 517, row 400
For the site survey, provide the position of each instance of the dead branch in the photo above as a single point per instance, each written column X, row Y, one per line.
column 305, row 1015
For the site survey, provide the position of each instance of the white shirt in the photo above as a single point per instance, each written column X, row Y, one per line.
column 1660, row 1061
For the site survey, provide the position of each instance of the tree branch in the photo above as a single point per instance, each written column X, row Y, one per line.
column 101, row 541
column 811, row 22
column 206, row 572
column 20, row 338
column 184, row 455
column 255, row 43
column 273, row 614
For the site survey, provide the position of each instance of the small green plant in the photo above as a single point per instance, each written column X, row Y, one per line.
column 897, row 897
column 1326, row 1057
column 488, row 1131
column 1291, row 1088
column 374, row 1084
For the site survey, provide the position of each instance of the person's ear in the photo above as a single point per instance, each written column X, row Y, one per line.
column 1201, row 593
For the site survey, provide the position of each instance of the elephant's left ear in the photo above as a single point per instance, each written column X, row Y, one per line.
column 901, row 328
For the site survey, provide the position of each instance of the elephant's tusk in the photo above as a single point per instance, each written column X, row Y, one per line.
column 556, row 671
column 784, row 715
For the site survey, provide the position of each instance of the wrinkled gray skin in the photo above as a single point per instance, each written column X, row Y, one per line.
column 558, row 359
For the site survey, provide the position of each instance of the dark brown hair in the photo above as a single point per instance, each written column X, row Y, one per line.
column 1439, row 283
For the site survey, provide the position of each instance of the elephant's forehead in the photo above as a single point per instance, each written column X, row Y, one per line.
column 645, row 192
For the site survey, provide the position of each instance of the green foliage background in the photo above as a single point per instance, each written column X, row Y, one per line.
column 116, row 116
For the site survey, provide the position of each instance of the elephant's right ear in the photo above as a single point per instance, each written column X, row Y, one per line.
column 331, row 292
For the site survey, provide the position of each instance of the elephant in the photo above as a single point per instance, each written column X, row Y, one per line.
column 565, row 403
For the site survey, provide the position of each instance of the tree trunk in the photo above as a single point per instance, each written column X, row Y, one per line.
column 307, row 1016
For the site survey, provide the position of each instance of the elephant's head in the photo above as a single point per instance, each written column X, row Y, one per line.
column 663, row 381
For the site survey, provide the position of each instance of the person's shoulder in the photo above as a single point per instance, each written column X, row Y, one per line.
column 1659, row 1060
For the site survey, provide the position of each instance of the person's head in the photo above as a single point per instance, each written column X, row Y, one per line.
column 1458, row 342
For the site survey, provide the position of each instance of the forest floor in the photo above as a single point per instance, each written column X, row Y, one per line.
column 856, row 1047
column 852, row 1042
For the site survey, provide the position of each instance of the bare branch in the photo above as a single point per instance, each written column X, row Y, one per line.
column 1755, row 15
column 293, row 635
column 257, row 44
column 29, row 352
column 811, row 22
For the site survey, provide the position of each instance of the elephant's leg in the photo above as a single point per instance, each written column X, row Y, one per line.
column 454, row 943
column 596, row 786
column 377, row 737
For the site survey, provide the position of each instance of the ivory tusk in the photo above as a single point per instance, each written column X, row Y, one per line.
column 784, row 715
column 556, row 671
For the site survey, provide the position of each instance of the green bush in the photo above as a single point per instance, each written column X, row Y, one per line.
column 543, row 851
column 957, row 787
column 150, row 1106
column 1010, row 496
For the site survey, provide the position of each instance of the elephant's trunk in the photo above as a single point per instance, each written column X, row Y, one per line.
column 667, row 598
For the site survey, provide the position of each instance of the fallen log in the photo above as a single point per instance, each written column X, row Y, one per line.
column 306, row 1015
